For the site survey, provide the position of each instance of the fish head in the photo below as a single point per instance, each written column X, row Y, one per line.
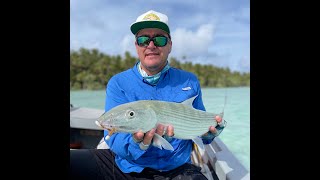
column 129, row 118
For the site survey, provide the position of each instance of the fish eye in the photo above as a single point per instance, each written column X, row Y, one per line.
column 131, row 114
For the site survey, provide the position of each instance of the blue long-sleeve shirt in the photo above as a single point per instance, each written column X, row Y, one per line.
column 174, row 85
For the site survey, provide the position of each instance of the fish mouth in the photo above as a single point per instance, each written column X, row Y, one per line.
column 111, row 124
column 119, row 128
column 110, row 127
column 114, row 128
column 106, row 122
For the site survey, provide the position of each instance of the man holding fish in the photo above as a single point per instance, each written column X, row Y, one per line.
column 131, row 155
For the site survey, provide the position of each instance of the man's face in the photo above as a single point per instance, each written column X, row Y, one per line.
column 153, row 58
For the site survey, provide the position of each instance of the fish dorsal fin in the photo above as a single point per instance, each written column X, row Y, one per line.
column 160, row 142
column 189, row 101
column 198, row 141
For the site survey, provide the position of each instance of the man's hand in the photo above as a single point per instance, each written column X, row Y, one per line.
column 212, row 129
column 146, row 138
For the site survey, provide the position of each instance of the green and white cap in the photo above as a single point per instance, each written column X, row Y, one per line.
column 151, row 19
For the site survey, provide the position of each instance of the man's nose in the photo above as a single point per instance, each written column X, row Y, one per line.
column 151, row 45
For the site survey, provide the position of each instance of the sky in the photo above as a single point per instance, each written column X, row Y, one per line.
column 215, row 32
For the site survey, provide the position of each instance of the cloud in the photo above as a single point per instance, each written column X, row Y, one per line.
column 127, row 44
column 192, row 43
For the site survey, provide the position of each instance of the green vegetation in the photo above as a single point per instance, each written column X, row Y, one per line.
column 91, row 69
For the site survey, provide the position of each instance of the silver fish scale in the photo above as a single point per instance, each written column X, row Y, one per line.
column 188, row 122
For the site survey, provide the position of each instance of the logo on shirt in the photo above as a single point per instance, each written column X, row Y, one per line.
column 186, row 88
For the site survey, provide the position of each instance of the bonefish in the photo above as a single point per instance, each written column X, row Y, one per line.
column 143, row 115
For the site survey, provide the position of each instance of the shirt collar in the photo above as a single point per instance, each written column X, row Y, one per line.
column 153, row 79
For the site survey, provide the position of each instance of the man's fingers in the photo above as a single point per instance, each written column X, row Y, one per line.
column 218, row 118
column 160, row 129
column 213, row 129
column 148, row 136
column 170, row 131
column 138, row 136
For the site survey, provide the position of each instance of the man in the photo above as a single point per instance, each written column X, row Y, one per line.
column 151, row 78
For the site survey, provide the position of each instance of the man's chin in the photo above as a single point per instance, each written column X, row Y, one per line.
column 153, row 58
column 152, row 63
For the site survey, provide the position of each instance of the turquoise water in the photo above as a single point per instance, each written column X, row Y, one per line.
column 236, row 112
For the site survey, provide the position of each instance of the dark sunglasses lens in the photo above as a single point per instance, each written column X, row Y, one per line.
column 160, row 41
column 143, row 41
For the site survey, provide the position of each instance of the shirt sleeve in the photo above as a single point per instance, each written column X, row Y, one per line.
column 115, row 95
column 124, row 146
column 197, row 103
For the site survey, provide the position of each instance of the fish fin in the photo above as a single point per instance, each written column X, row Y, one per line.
column 198, row 141
column 160, row 142
column 189, row 101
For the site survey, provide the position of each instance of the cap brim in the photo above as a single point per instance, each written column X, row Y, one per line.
column 135, row 27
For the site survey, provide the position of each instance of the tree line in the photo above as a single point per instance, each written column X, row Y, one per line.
column 91, row 70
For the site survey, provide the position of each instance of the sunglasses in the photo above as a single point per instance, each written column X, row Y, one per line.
column 159, row 41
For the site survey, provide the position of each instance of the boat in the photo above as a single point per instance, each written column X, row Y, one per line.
column 216, row 160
